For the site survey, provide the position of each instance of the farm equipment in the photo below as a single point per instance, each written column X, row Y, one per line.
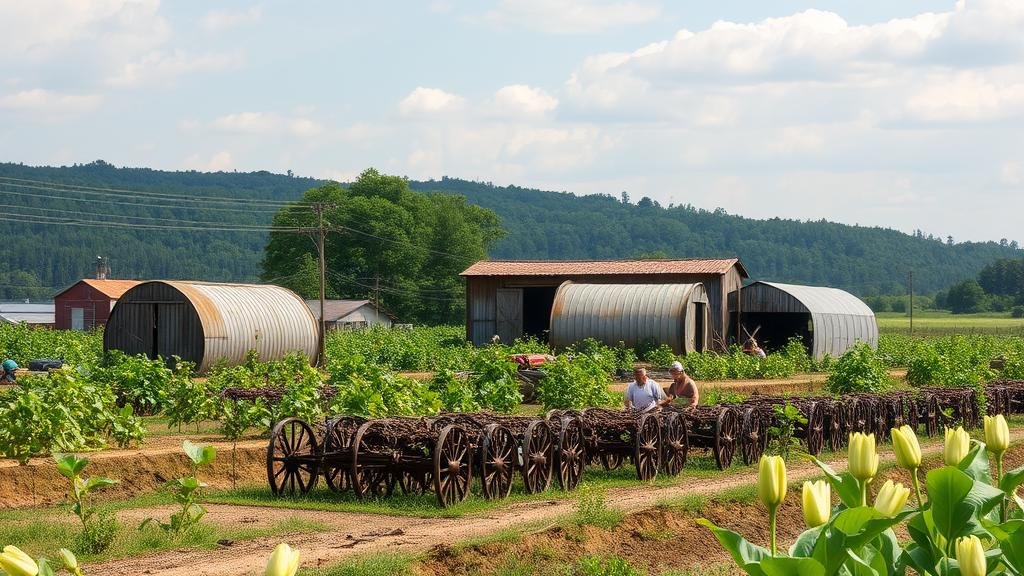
column 612, row 436
column 715, row 428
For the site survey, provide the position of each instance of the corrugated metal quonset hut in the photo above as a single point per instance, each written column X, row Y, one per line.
column 205, row 322
column 673, row 314
column 829, row 320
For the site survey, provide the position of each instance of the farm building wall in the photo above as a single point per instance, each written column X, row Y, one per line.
column 495, row 304
column 207, row 323
column 672, row 314
column 87, row 303
column 828, row 319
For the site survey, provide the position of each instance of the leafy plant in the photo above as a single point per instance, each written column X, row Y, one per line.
column 574, row 382
column 363, row 389
column 186, row 492
column 858, row 370
column 455, row 394
column 787, row 419
column 494, row 382
column 606, row 566
column 98, row 529
column 661, row 356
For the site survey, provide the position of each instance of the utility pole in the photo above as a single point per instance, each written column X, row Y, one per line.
column 910, row 277
column 321, row 345
column 376, row 291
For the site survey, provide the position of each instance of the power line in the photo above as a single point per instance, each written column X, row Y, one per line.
column 387, row 289
column 121, row 202
column 41, row 219
column 106, row 215
column 94, row 190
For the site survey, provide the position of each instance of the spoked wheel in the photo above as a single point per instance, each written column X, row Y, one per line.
column 417, row 484
column 912, row 413
column 453, row 466
column 932, row 415
column 538, row 456
column 752, row 432
column 675, row 444
column 371, row 478
column 611, row 460
column 725, row 437
column 293, row 457
column 498, row 467
column 647, row 447
column 338, row 445
column 569, row 454
column 815, row 428
column 835, row 424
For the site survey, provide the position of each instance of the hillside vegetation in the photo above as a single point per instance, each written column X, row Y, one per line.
column 52, row 236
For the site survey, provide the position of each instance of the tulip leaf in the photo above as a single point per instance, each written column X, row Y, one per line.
column 844, row 484
column 44, row 568
column 858, row 566
column 783, row 566
column 975, row 464
column 804, row 545
column 957, row 501
column 920, row 528
column 1011, row 480
column 747, row 555
column 1010, row 535
column 863, row 524
column 920, row 559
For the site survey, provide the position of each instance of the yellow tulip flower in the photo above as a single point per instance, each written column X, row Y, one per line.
column 891, row 498
column 971, row 556
column 958, row 444
column 817, row 500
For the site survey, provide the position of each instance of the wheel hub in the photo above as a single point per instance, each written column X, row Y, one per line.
column 454, row 466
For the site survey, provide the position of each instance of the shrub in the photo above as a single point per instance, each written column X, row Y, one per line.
column 574, row 382
column 858, row 370
column 662, row 356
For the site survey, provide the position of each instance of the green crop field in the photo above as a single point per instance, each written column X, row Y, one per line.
column 940, row 323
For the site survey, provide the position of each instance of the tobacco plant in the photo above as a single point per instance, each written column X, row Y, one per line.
column 186, row 492
column 98, row 528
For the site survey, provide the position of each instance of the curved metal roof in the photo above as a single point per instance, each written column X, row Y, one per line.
column 840, row 319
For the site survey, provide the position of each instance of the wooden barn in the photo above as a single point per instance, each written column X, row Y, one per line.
column 514, row 298
column 87, row 303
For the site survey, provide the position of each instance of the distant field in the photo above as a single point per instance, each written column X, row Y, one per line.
column 934, row 323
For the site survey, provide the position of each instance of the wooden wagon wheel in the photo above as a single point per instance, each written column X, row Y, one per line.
column 498, row 461
column 724, row 442
column 417, row 484
column 570, row 453
column 453, row 466
column 675, row 443
column 815, row 429
column 647, row 447
column 932, row 414
column 835, row 424
column 912, row 414
column 752, row 435
column 337, row 441
column 538, row 456
column 369, row 480
column 293, row 457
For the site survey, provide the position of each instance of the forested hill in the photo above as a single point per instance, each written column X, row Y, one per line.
column 46, row 246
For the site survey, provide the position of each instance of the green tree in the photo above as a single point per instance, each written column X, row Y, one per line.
column 966, row 297
column 384, row 242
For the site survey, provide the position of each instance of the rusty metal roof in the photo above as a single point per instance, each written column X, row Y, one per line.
column 602, row 267
column 113, row 289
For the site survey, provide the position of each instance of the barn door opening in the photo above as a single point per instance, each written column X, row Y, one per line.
column 510, row 314
column 537, row 303
column 700, row 311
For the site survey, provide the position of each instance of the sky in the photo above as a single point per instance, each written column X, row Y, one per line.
column 906, row 114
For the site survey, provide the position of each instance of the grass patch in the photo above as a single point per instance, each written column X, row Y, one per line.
column 744, row 494
column 45, row 536
column 592, row 509
column 943, row 323
column 687, row 503
column 378, row 564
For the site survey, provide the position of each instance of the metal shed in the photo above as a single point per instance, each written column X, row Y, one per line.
column 829, row 320
column 673, row 314
column 205, row 322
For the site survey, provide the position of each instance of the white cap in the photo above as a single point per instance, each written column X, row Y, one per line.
column 676, row 366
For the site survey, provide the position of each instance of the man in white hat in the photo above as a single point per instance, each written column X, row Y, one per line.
column 682, row 387
column 644, row 394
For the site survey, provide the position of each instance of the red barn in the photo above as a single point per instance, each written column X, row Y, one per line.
column 87, row 303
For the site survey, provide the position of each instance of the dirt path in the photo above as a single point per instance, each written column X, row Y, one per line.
column 363, row 533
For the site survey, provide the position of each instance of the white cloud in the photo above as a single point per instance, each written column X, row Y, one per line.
column 267, row 123
column 967, row 96
column 216, row 21
column 422, row 101
column 218, row 162
column 48, row 102
column 1012, row 173
column 160, row 66
column 568, row 16
column 522, row 100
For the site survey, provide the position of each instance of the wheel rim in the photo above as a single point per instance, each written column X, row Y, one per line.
column 338, row 450
column 293, row 457
column 453, row 463
column 647, row 447
column 368, row 480
column 675, row 444
column 815, row 429
column 498, row 461
column 725, row 434
column 538, row 447
column 570, row 453
column 750, row 436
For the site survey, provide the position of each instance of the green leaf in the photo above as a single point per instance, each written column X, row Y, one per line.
column 957, row 501
column 858, row 566
column 1011, row 480
column 199, row 454
column 783, row 566
column 98, row 482
column 975, row 464
column 69, row 465
column 920, row 560
column 748, row 556
column 1010, row 535
column 44, row 567
column 845, row 485
column 804, row 545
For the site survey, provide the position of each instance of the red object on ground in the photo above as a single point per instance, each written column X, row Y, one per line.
column 529, row 360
